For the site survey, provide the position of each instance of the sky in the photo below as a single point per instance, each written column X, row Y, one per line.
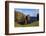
column 31, row 12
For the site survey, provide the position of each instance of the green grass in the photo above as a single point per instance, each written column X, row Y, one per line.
column 36, row 23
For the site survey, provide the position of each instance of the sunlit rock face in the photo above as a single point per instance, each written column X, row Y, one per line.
column 19, row 17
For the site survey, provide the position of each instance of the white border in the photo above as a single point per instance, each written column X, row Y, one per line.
column 12, row 29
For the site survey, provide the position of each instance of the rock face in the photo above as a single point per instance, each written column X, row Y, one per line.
column 19, row 17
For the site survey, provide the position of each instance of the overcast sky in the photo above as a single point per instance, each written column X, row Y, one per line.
column 31, row 12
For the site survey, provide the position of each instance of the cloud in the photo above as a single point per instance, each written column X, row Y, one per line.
column 31, row 12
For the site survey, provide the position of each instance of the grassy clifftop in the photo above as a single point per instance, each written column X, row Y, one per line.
column 33, row 24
